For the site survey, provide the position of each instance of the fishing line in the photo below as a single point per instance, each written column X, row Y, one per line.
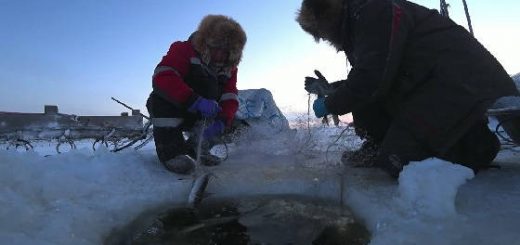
column 200, row 181
column 199, row 143
column 309, row 113
column 309, row 133
column 334, row 143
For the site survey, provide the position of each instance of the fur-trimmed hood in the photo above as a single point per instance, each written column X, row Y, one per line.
column 322, row 19
column 220, row 31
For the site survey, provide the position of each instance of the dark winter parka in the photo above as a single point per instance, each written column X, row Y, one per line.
column 430, row 74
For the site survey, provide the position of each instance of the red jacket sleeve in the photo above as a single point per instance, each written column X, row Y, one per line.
column 168, row 76
column 229, row 99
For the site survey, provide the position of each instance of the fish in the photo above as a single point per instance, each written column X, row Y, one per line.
column 197, row 189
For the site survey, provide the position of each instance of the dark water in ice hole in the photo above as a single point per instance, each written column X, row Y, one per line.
column 269, row 219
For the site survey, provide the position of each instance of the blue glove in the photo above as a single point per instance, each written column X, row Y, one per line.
column 207, row 108
column 320, row 110
column 213, row 130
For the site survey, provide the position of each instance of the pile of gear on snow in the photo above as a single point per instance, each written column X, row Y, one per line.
column 18, row 130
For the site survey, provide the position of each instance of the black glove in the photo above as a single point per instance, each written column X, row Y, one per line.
column 319, row 86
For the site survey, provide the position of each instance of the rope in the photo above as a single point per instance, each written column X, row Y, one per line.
column 507, row 140
column 444, row 12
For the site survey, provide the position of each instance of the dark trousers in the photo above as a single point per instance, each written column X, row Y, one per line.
column 476, row 148
column 169, row 141
column 371, row 122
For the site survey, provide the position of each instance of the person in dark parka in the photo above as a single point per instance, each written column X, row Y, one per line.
column 419, row 86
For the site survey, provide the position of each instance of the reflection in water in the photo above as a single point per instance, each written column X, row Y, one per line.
column 249, row 220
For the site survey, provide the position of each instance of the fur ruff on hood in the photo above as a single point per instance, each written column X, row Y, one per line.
column 322, row 19
column 223, row 32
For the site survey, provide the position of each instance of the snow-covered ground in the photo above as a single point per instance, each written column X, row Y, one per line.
column 80, row 196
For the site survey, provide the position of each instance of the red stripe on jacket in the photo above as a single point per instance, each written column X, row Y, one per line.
column 230, row 107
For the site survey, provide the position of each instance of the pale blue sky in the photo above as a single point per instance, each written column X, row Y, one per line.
column 77, row 54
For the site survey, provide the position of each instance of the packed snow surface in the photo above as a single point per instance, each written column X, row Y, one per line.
column 80, row 196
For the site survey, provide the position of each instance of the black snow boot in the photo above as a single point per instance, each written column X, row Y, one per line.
column 206, row 158
column 209, row 160
column 181, row 164
column 364, row 157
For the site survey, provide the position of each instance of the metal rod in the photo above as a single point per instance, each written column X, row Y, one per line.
column 128, row 107
column 468, row 17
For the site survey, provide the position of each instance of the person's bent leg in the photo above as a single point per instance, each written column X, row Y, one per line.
column 399, row 148
column 371, row 123
column 171, row 150
column 170, row 144
column 476, row 149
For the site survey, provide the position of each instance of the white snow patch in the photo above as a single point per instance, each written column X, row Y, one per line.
column 429, row 187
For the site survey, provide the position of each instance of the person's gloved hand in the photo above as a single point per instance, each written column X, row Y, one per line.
column 319, row 86
column 320, row 110
column 213, row 130
column 207, row 108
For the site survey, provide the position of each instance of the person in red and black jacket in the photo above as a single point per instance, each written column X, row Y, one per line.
column 195, row 82
column 420, row 84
